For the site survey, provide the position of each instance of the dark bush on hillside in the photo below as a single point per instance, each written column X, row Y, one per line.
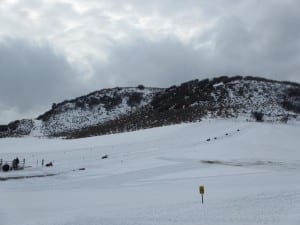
column 259, row 79
column 141, row 87
column 284, row 119
column 234, row 78
column 294, row 92
column 203, row 83
column 241, row 92
column 291, row 105
column 291, row 100
column 92, row 101
column 3, row 128
column 258, row 116
column 79, row 104
column 135, row 99
column 14, row 125
column 110, row 102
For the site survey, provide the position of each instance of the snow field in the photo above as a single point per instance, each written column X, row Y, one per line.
column 152, row 177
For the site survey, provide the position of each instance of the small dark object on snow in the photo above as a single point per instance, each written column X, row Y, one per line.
column 238, row 129
column 208, row 139
column 226, row 134
column 104, row 156
column 211, row 161
column 15, row 163
column 215, row 138
column 5, row 167
column 81, row 168
column 49, row 164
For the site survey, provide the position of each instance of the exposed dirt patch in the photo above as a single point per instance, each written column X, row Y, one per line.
column 245, row 163
column 25, row 177
column 37, row 175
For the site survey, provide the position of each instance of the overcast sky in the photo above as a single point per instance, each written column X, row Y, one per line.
column 52, row 50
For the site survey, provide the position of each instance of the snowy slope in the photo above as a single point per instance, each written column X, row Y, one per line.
column 251, row 176
column 95, row 108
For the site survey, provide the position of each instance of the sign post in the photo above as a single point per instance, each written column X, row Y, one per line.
column 201, row 190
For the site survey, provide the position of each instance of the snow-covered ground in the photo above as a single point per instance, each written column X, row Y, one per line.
column 251, row 176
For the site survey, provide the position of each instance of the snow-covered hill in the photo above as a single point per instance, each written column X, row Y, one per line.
column 126, row 109
column 95, row 108
column 250, row 172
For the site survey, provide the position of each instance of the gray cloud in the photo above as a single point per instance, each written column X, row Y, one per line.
column 32, row 76
column 125, row 43
column 237, row 49
column 159, row 63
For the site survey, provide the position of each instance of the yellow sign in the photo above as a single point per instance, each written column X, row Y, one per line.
column 201, row 190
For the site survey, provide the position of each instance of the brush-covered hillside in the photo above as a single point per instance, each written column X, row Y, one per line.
column 126, row 109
